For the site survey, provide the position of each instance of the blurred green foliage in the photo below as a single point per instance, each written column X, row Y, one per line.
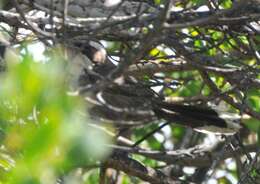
column 43, row 132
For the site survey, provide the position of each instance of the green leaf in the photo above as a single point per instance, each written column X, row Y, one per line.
column 253, row 102
column 157, row 2
column 253, row 124
column 226, row 4
column 6, row 161
column 224, row 180
column 178, row 131
column 198, row 43
column 198, row 2
column 244, row 40
column 92, row 176
column 191, row 89
column 217, row 35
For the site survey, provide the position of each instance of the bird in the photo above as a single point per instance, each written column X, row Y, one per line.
column 128, row 102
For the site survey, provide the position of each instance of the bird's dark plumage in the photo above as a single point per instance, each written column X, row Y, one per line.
column 131, row 103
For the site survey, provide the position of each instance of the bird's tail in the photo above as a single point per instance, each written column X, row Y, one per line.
column 198, row 118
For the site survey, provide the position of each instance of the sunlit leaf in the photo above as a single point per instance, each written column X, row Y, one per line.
column 226, row 3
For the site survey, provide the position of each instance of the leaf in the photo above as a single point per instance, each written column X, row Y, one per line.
column 253, row 124
column 157, row 2
column 191, row 89
column 226, row 4
column 198, row 2
column 253, row 102
column 217, row 35
column 6, row 162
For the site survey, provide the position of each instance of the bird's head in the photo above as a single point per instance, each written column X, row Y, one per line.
column 94, row 51
column 82, row 57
